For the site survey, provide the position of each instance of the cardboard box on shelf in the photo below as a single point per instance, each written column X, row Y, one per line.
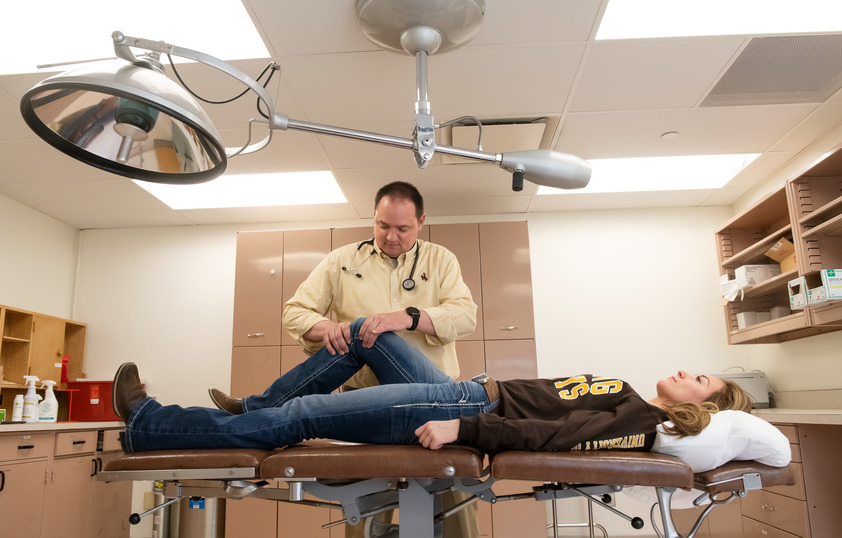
column 783, row 252
column 752, row 275
column 832, row 282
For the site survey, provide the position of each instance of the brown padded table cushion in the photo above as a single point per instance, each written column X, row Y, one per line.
column 731, row 473
column 622, row 468
column 188, row 459
column 325, row 459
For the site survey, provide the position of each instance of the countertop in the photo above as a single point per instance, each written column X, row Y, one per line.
column 801, row 416
column 18, row 427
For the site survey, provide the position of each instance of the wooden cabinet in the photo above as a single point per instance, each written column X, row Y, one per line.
column 259, row 270
column 76, row 504
column 35, row 344
column 463, row 241
column 780, row 511
column 49, row 487
column 808, row 212
column 23, row 469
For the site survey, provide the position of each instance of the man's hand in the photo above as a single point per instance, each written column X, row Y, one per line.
column 437, row 433
column 377, row 324
column 336, row 336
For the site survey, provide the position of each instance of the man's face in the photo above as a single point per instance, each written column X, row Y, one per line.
column 684, row 387
column 395, row 226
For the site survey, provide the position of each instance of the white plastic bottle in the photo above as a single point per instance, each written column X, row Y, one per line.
column 17, row 409
column 30, row 400
column 48, row 409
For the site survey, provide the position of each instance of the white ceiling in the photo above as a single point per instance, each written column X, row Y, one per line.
column 532, row 60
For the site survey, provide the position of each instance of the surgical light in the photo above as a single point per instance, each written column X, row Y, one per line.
column 126, row 117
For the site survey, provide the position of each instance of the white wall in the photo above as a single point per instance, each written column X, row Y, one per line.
column 38, row 257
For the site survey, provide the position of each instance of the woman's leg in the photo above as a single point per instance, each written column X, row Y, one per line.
column 391, row 359
column 386, row 414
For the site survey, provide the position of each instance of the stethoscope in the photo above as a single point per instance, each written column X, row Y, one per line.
column 408, row 284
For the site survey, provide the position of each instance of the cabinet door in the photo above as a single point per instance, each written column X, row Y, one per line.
column 471, row 355
column 47, row 347
column 463, row 241
column 303, row 250
column 68, row 498
column 506, row 281
column 251, row 518
column 253, row 369
column 343, row 236
column 525, row 518
column 257, row 289
column 111, row 503
column 511, row 359
column 21, row 498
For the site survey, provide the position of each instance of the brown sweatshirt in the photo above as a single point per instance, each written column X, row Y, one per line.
column 583, row 412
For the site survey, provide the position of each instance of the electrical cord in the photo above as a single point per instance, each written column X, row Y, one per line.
column 271, row 66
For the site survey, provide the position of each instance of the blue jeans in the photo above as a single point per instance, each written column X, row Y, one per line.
column 299, row 405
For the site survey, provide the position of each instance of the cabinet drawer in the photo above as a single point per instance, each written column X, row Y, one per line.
column 796, row 491
column 73, row 443
column 796, row 452
column 790, row 431
column 111, row 440
column 782, row 512
column 24, row 446
column 756, row 529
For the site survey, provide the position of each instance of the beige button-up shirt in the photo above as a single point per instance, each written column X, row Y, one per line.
column 439, row 291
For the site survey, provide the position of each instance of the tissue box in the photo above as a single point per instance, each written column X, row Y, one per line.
column 797, row 288
column 747, row 319
column 752, row 275
column 783, row 252
column 832, row 282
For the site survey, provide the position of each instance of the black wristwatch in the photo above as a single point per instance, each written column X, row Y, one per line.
column 415, row 314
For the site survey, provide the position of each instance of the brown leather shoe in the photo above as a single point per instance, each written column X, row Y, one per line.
column 225, row 402
column 127, row 391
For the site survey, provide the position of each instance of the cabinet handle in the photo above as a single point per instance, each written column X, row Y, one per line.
column 79, row 442
column 256, row 335
column 26, row 447
column 2, row 480
column 93, row 473
column 509, row 328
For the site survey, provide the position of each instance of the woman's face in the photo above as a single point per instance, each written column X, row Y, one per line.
column 685, row 388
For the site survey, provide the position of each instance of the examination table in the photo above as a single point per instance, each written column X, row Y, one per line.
column 364, row 480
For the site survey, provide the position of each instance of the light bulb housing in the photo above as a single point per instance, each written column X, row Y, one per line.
column 127, row 119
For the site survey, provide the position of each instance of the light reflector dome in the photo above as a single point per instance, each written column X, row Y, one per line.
column 126, row 119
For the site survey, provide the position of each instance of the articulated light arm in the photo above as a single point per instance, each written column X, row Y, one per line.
column 135, row 122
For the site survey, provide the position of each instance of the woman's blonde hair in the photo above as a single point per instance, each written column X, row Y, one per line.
column 691, row 418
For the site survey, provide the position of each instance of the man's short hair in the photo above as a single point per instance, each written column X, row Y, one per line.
column 404, row 190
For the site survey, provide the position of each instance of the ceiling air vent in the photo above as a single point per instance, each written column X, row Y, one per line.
column 497, row 137
column 782, row 70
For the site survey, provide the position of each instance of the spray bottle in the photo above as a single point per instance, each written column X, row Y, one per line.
column 30, row 400
column 48, row 409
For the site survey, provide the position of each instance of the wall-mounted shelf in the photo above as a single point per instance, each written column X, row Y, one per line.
column 808, row 212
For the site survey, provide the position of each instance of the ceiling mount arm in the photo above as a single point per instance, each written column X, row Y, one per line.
column 122, row 48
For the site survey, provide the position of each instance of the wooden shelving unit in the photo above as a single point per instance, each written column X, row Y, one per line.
column 808, row 212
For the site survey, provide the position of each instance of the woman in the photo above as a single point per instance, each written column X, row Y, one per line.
column 417, row 403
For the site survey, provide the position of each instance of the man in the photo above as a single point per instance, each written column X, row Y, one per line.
column 399, row 283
